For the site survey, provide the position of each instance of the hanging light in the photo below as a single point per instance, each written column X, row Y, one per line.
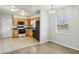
column 52, row 10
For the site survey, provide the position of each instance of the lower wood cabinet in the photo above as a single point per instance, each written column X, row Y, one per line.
column 15, row 33
column 28, row 32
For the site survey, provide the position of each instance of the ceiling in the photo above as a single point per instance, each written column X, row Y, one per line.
column 26, row 9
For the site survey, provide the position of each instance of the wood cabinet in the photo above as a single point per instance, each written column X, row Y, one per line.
column 26, row 21
column 21, row 20
column 15, row 21
column 15, row 30
column 28, row 32
column 29, row 22
column 15, row 33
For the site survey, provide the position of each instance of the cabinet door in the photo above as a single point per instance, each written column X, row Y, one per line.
column 26, row 21
column 29, row 22
column 15, row 21
column 15, row 33
column 28, row 32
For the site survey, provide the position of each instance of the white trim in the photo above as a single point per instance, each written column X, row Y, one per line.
column 61, row 32
column 65, row 45
column 44, row 41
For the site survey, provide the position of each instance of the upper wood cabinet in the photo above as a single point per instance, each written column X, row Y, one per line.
column 29, row 22
column 21, row 20
column 15, row 21
column 26, row 21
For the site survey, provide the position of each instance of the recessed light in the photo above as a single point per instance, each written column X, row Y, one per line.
column 23, row 12
column 13, row 10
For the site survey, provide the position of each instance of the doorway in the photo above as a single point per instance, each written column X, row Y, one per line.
column 26, row 27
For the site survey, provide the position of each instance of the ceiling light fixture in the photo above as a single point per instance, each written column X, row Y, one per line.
column 52, row 10
column 23, row 13
column 12, row 8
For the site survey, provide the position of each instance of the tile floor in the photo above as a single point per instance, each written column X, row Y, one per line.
column 10, row 44
column 45, row 48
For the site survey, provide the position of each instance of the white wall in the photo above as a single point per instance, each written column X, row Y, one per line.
column 6, row 26
column 52, row 27
column 72, row 38
column 0, row 26
column 44, row 26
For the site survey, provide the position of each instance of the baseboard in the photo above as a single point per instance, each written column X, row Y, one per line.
column 44, row 41
column 65, row 45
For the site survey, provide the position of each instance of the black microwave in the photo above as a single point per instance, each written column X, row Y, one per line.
column 21, row 23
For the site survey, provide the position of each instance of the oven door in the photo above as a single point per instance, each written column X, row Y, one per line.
column 21, row 31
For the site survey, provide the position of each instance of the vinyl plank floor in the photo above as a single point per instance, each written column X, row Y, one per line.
column 0, row 46
column 45, row 48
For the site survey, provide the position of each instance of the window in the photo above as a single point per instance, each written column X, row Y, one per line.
column 62, row 23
